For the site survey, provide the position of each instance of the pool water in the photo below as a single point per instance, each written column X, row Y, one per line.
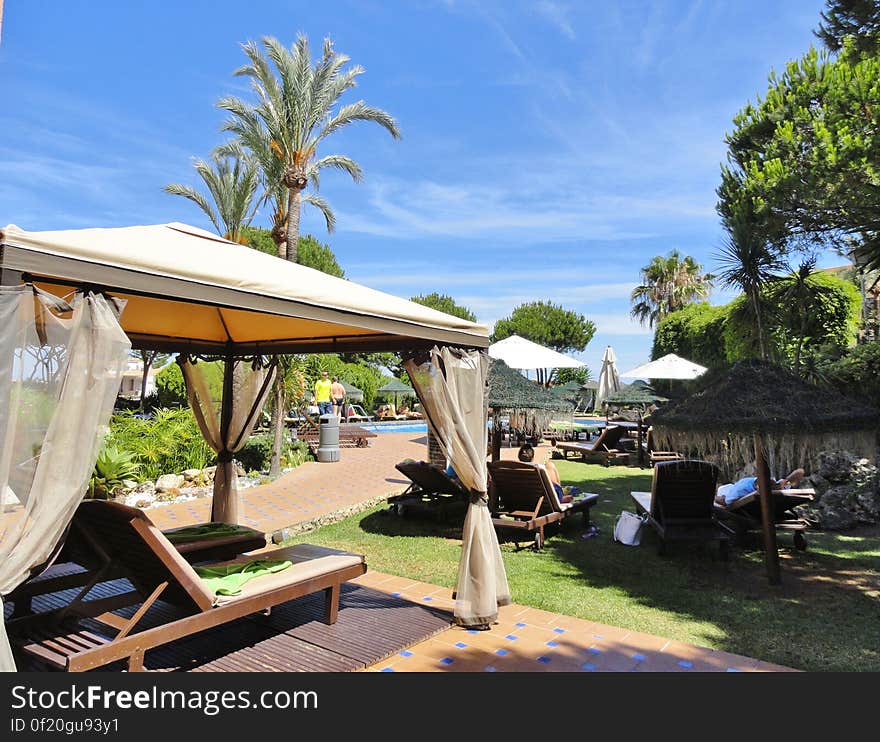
column 395, row 427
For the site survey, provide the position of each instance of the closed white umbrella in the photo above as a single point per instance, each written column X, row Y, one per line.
column 609, row 381
column 669, row 366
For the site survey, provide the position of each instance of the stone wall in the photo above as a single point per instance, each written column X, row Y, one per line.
column 847, row 492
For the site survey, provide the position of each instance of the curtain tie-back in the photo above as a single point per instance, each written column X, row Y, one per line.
column 224, row 456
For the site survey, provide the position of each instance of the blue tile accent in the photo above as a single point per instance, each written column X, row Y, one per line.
column 594, row 650
column 501, row 652
column 638, row 657
column 588, row 666
column 520, row 624
column 460, row 645
column 387, row 669
column 732, row 669
column 598, row 636
column 552, row 644
column 490, row 668
column 685, row 664
column 405, row 653
column 428, row 598
column 544, row 658
column 395, row 595
column 512, row 637
column 559, row 631
column 472, row 631
column 447, row 661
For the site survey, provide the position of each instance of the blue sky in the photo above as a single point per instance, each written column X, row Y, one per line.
column 549, row 149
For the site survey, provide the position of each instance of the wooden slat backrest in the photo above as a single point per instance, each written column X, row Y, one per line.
column 129, row 538
column 519, row 485
column 429, row 477
column 683, row 489
column 609, row 438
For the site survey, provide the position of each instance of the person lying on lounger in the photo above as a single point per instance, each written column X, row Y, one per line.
column 565, row 494
column 729, row 493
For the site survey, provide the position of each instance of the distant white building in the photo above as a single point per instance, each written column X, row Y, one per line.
column 132, row 377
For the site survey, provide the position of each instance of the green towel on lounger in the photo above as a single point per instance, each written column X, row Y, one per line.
column 228, row 579
column 205, row 531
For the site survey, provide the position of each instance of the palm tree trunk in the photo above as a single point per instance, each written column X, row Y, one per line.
column 757, row 307
column 294, row 200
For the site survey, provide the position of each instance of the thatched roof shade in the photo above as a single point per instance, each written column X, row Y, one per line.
column 395, row 386
column 794, row 419
column 634, row 395
column 510, row 390
column 759, row 397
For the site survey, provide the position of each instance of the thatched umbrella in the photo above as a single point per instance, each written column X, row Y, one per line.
column 526, row 401
column 396, row 387
column 352, row 392
column 785, row 420
column 638, row 396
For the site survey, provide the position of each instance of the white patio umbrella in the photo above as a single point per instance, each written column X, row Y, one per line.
column 522, row 354
column 669, row 366
column 609, row 381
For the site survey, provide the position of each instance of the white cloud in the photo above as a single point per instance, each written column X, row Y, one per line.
column 557, row 14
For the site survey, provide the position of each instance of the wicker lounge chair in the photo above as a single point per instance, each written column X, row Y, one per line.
column 524, row 501
column 607, row 446
column 430, row 487
column 157, row 571
column 744, row 514
column 680, row 503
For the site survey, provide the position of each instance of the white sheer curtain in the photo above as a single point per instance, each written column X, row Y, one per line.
column 451, row 386
column 246, row 385
column 59, row 377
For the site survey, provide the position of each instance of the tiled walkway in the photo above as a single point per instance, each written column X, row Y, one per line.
column 524, row 640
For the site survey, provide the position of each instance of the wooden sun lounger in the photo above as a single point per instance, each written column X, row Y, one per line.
column 350, row 436
column 430, row 487
column 159, row 572
column 606, row 446
column 744, row 514
column 523, row 499
column 76, row 548
column 680, row 504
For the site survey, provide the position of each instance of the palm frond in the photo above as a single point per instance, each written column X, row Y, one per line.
column 319, row 203
column 197, row 198
column 343, row 163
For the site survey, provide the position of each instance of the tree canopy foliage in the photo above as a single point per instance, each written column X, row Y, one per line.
column 445, row 303
column 852, row 24
column 806, row 158
column 312, row 252
column 714, row 336
column 547, row 324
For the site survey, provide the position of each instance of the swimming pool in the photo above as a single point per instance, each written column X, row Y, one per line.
column 395, row 427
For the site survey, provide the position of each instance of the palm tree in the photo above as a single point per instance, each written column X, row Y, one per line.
column 798, row 295
column 748, row 262
column 293, row 117
column 232, row 183
column 668, row 284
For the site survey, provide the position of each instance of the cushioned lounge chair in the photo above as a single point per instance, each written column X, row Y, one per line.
column 158, row 571
column 523, row 500
column 744, row 514
column 607, row 446
column 680, row 505
column 76, row 560
column 429, row 487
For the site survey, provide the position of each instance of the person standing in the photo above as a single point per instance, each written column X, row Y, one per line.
column 322, row 395
column 337, row 395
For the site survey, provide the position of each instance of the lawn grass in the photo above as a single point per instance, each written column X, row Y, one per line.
column 824, row 617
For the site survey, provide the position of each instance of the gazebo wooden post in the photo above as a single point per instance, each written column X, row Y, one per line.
column 496, row 437
column 771, row 552
column 641, row 451
column 225, row 420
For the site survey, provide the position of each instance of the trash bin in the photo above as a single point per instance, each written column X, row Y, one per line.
column 328, row 438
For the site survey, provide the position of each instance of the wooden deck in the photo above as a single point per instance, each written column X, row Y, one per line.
column 371, row 627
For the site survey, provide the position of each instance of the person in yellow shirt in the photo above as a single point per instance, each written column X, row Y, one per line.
column 322, row 395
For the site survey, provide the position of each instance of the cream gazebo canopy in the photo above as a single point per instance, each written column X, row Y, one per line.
column 191, row 291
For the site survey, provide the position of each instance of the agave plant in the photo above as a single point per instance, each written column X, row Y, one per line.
column 112, row 468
